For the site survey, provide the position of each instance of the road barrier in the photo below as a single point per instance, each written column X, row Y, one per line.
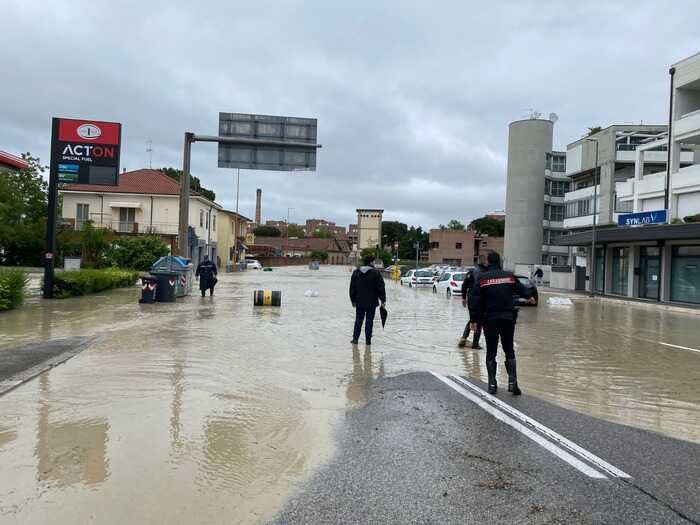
column 267, row 298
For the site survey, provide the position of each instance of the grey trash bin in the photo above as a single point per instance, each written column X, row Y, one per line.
column 180, row 266
column 165, row 287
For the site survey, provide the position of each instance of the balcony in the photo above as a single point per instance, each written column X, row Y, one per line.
column 131, row 227
column 687, row 128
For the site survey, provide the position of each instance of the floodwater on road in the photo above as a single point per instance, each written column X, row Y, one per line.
column 210, row 410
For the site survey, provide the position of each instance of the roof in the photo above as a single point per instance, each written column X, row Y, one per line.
column 307, row 243
column 13, row 160
column 634, row 233
column 243, row 217
column 146, row 181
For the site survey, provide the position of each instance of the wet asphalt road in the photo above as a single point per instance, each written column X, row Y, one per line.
column 213, row 411
column 420, row 453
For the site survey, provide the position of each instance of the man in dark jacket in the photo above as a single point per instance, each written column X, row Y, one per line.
column 491, row 302
column 366, row 292
column 206, row 271
column 467, row 285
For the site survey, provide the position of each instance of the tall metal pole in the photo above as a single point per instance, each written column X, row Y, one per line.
column 236, row 219
column 51, row 219
column 595, row 217
column 667, row 189
column 183, row 240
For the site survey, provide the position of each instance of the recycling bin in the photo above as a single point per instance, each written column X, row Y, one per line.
column 166, row 283
column 148, row 289
column 181, row 267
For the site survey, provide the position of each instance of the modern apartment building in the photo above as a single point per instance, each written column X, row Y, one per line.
column 658, row 262
column 536, row 185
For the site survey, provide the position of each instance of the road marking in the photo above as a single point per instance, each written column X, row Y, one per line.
column 681, row 347
column 551, row 434
column 526, row 425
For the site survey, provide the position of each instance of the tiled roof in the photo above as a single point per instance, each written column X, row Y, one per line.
column 138, row 181
column 9, row 159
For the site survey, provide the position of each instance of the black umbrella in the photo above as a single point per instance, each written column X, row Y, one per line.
column 383, row 314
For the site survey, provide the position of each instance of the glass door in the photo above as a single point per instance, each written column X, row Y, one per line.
column 599, row 269
column 127, row 217
column 620, row 264
column 650, row 272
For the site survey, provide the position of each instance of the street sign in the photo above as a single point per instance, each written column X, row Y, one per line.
column 85, row 151
column 267, row 142
column 641, row 218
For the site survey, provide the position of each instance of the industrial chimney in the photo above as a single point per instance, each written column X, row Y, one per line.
column 258, row 211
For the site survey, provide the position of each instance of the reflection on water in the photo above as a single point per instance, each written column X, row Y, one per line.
column 211, row 410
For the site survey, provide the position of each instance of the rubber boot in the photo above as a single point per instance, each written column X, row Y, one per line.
column 491, row 369
column 512, row 377
column 462, row 343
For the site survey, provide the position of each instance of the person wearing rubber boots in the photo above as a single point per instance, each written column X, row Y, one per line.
column 491, row 302
column 206, row 272
column 467, row 285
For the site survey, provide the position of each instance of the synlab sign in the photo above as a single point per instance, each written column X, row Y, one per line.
column 645, row 217
column 85, row 151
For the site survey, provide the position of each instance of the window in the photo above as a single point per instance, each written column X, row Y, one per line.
column 685, row 274
column 547, row 187
column 458, row 246
column 556, row 188
column 434, row 245
column 207, row 217
column 213, row 223
column 556, row 213
column 551, row 236
column 620, row 264
column 546, row 212
column 559, row 163
column 82, row 215
column 201, row 217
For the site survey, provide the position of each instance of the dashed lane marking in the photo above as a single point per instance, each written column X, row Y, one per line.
column 681, row 347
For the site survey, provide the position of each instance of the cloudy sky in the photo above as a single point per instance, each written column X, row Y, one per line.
column 413, row 99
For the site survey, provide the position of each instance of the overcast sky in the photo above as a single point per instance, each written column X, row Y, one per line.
column 413, row 99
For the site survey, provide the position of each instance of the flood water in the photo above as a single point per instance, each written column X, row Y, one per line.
column 209, row 410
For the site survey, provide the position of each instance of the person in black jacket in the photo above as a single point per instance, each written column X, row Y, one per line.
column 206, row 271
column 467, row 285
column 491, row 302
column 366, row 292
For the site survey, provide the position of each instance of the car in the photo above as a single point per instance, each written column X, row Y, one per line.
column 450, row 283
column 417, row 278
column 252, row 264
column 529, row 284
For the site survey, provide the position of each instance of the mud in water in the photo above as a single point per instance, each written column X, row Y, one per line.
column 211, row 411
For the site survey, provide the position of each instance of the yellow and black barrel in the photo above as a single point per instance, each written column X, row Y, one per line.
column 267, row 298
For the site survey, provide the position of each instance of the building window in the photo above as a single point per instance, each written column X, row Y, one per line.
column 546, row 212
column 685, row 274
column 82, row 215
column 620, row 264
column 556, row 188
column 579, row 208
column 213, row 223
column 434, row 245
column 201, row 217
column 559, row 163
column 556, row 213
column 458, row 246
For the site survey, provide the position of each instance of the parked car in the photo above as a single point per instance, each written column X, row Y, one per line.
column 450, row 283
column 417, row 278
column 531, row 288
column 252, row 264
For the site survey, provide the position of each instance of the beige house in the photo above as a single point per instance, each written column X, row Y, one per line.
column 369, row 228
column 144, row 202
column 461, row 247
column 231, row 230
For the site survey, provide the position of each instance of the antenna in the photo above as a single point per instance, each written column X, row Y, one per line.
column 149, row 150
column 553, row 117
column 532, row 114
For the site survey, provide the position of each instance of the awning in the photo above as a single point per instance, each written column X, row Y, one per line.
column 663, row 232
column 124, row 204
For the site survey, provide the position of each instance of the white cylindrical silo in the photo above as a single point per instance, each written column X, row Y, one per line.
column 529, row 141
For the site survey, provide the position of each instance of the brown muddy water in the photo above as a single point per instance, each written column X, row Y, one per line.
column 212, row 411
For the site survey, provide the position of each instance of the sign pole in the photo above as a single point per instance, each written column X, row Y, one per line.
column 183, row 233
column 51, row 218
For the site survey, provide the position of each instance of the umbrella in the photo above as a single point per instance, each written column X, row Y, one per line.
column 383, row 314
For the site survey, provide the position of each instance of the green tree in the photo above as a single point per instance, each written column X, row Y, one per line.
column 488, row 226
column 294, row 230
column 407, row 248
column 94, row 244
column 195, row 183
column 267, row 231
column 322, row 233
column 454, row 224
column 594, row 130
column 383, row 255
column 321, row 255
column 136, row 253
column 394, row 231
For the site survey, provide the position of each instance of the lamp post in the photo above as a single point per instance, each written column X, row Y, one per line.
column 595, row 216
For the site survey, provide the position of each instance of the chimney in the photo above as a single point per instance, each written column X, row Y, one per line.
column 258, row 211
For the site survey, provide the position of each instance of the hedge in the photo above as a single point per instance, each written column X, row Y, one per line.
column 12, row 283
column 83, row 282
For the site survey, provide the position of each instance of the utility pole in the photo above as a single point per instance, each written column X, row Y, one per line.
column 235, row 221
column 667, row 191
column 183, row 230
column 149, row 150
column 595, row 216
column 288, row 212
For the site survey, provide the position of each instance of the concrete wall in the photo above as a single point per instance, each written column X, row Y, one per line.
column 528, row 143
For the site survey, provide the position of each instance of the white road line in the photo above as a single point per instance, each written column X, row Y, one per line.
column 544, row 443
column 681, row 347
column 551, row 434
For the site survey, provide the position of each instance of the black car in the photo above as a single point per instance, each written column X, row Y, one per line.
column 531, row 288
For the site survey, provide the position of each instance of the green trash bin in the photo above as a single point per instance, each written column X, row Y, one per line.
column 165, row 287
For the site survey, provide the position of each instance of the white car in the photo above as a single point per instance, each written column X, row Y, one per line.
column 252, row 264
column 417, row 278
column 450, row 283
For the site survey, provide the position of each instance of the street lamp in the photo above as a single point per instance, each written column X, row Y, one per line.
column 289, row 210
column 595, row 216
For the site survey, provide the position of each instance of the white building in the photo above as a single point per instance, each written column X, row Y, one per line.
column 144, row 202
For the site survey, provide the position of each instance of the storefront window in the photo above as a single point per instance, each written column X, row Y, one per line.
column 650, row 272
column 685, row 274
column 599, row 269
column 620, row 263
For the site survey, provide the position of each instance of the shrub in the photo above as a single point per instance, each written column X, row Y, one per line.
column 137, row 253
column 12, row 283
column 83, row 282
column 320, row 255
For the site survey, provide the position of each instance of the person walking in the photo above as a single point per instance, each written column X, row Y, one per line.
column 467, row 285
column 366, row 293
column 491, row 302
column 206, row 272
column 538, row 276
